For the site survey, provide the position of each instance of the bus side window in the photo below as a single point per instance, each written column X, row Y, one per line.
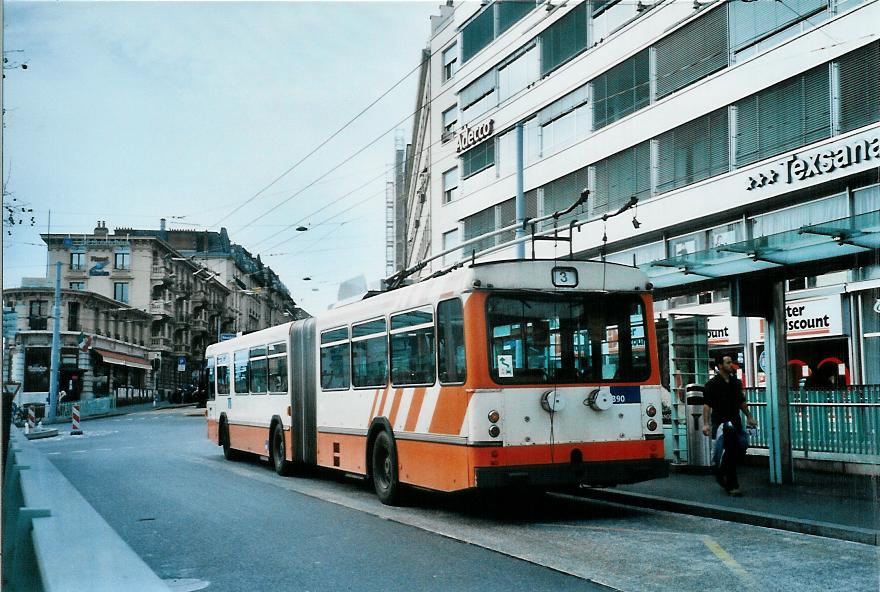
column 221, row 374
column 240, row 367
column 450, row 342
column 335, row 359
column 210, row 372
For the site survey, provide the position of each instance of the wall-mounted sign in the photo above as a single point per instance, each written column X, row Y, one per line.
column 471, row 136
column 723, row 330
column 819, row 162
column 99, row 264
column 810, row 318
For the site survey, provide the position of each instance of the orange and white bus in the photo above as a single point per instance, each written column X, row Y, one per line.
column 506, row 373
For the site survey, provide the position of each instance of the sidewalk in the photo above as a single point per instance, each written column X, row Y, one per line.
column 834, row 505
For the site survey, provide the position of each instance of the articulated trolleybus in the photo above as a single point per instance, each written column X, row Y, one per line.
column 504, row 373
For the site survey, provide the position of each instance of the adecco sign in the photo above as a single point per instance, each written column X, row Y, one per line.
column 810, row 317
column 470, row 136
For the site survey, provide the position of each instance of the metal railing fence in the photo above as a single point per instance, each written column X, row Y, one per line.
column 843, row 421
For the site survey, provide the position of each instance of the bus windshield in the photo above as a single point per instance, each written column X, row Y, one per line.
column 551, row 338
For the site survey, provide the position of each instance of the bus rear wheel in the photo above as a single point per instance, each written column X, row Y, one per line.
column 384, row 465
column 279, row 451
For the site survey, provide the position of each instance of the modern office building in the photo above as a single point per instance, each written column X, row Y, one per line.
column 747, row 131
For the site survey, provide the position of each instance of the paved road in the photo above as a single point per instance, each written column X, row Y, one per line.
column 204, row 523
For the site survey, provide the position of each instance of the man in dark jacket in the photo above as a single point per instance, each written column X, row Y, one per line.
column 724, row 399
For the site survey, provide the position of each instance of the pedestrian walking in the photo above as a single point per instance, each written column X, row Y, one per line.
column 723, row 401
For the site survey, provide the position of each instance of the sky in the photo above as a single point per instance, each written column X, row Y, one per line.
column 130, row 112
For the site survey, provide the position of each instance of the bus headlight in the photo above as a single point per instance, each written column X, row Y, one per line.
column 494, row 431
column 494, row 416
column 652, row 425
column 651, row 411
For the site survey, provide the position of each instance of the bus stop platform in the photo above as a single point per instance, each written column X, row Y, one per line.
column 835, row 505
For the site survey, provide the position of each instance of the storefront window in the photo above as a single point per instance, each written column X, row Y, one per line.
column 36, row 369
column 870, row 303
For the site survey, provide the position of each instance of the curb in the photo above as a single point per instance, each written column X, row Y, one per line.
column 865, row 536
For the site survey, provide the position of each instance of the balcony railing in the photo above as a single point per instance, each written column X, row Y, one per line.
column 37, row 323
column 160, row 307
column 160, row 343
column 836, row 421
column 199, row 325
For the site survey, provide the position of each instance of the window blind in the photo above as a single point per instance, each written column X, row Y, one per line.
column 477, row 34
column 694, row 151
column 511, row 11
column 691, row 53
column 479, row 157
column 860, row 87
column 476, row 90
column 752, row 21
column 621, row 90
column 562, row 192
column 621, row 176
column 787, row 115
column 564, row 39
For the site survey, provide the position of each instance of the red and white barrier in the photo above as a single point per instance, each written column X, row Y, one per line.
column 74, row 420
column 32, row 418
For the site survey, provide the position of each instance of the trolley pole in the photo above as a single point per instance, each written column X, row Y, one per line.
column 56, row 347
column 520, row 196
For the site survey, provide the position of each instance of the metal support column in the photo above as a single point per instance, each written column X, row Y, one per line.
column 779, row 436
column 55, row 364
column 520, row 195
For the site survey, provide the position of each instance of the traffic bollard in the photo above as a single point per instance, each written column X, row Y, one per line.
column 74, row 420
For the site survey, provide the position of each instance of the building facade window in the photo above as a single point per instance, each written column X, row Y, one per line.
column 564, row 39
column 565, row 121
column 122, row 261
column 477, row 225
column 77, row 261
column 73, row 316
column 790, row 114
column 610, row 15
column 692, row 52
column 450, row 118
column 559, row 194
column 38, row 315
column 37, row 362
column 120, row 291
column 478, row 158
column 450, row 185
column 489, row 24
column 859, row 73
column 77, row 286
column 755, row 26
column 622, row 176
column 479, row 96
column 450, row 241
column 450, row 61
column 694, row 151
column 518, row 73
column 622, row 90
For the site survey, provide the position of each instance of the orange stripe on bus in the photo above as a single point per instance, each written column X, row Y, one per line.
column 373, row 408
column 415, row 407
column 395, row 406
column 590, row 451
column 452, row 404
column 382, row 404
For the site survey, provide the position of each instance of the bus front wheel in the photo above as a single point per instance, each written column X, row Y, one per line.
column 229, row 453
column 384, row 465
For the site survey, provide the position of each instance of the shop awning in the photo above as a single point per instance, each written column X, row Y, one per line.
column 812, row 243
column 119, row 359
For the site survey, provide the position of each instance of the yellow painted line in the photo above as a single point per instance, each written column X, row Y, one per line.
column 730, row 562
